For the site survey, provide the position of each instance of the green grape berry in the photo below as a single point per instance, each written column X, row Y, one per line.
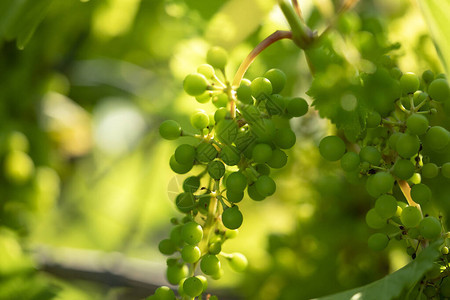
column 164, row 293
column 232, row 217
column 167, row 247
column 332, row 148
column 411, row 216
column 244, row 94
column 193, row 286
column 206, row 70
column 191, row 184
column 179, row 168
column 277, row 160
column 236, row 182
column 445, row 170
column 261, row 86
column 230, row 155
column 199, row 120
column 190, row 253
column 205, row 152
column 195, row 84
column 265, row 185
column 370, row 154
column 216, row 169
column 403, row 169
column 439, row 90
column 437, row 138
column 378, row 241
column 430, row 170
column 285, row 138
column 386, row 206
column 254, row 194
column 374, row 220
column 191, row 233
column 185, row 154
column 238, row 262
column 220, row 114
column 215, row 248
column 210, row 264
column 170, row 130
column 407, row 145
column 417, row 124
column 430, row 228
column 220, row 100
column 185, row 202
column 175, row 273
column 297, row 107
column 380, row 183
column 373, row 119
column 428, row 76
column 350, row 161
column 409, row 83
column 234, row 197
column 226, row 131
column 217, row 57
column 444, row 288
column 420, row 193
column 261, row 153
column 277, row 78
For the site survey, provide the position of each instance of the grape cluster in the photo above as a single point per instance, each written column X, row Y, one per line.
column 231, row 154
column 395, row 151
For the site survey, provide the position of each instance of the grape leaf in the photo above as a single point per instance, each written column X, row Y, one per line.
column 391, row 286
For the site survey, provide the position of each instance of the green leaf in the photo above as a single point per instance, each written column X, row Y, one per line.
column 436, row 13
column 391, row 286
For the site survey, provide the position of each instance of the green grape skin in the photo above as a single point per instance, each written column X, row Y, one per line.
column 170, row 130
column 164, row 293
column 236, row 182
column 204, row 282
column 238, row 262
column 167, row 247
column 215, row 248
column 430, row 170
column 206, row 70
column 430, row 228
column 217, row 57
column 210, row 264
column 378, row 241
column 230, row 155
column 179, row 168
column 220, row 100
column 392, row 141
column 332, row 148
column 437, row 138
column 370, row 154
column 297, row 107
column 445, row 170
column 261, row 153
column 409, row 83
column 232, row 217
column 277, row 78
column 261, row 86
column 234, row 197
column 176, row 273
column 417, row 124
column 191, row 233
column 193, row 286
column 185, row 202
column 195, row 84
column 264, row 131
column 277, row 160
column 203, row 204
column 444, row 288
column 350, row 161
column 263, row 169
column 285, row 138
column 175, row 235
column 403, row 169
column 204, row 98
column 205, row 152
column 191, row 184
column 380, row 183
column 254, row 194
column 374, row 220
column 396, row 73
column 199, row 120
column 439, row 90
column 217, row 275
column 386, row 206
column 190, row 253
column 216, row 169
column 413, row 233
column 265, row 185
column 220, row 114
column 411, row 216
column 226, row 131
column 275, row 104
column 420, row 193
column 244, row 94
column 428, row 76
column 185, row 154
column 373, row 119
column 407, row 145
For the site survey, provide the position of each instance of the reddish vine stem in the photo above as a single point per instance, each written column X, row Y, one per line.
column 297, row 9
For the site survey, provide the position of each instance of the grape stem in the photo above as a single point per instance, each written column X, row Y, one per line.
column 210, row 220
column 406, row 190
column 297, row 9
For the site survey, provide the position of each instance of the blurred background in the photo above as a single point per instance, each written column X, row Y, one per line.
column 86, row 192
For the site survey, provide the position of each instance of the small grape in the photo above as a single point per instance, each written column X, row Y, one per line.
column 216, row 169
column 179, row 168
column 190, row 253
column 332, row 148
column 206, row 70
column 210, row 264
column 350, row 161
column 411, row 216
column 192, row 233
column 185, row 202
column 232, row 217
column 167, row 247
column 217, row 57
column 439, row 90
column 215, row 248
column 430, row 170
column 444, row 288
column 164, row 293
column 430, row 228
column 175, row 273
column 445, row 170
column 409, row 83
column 226, row 131
column 428, row 76
column 230, row 155
column 277, row 78
column 195, row 84
column 205, row 152
column 297, row 107
column 373, row 119
column 407, row 145
column 170, row 130
column 374, row 220
column 220, row 114
column 285, row 138
column 437, row 138
column 265, row 185
column 386, row 206
column 254, row 194
column 275, row 104
column 236, row 182
column 445, row 250
column 261, row 153
column 220, row 100
column 204, row 98
column 420, row 193
column 263, row 169
column 238, row 262
column 403, row 169
column 199, row 120
column 277, row 160
column 244, row 94
column 392, row 141
column 185, row 154
column 379, row 183
column 261, row 86
column 378, row 241
column 417, row 124
column 175, row 235
column 193, row 286
column 370, row 154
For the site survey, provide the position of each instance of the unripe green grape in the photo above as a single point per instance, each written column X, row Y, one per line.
column 392, row 141
column 370, row 154
column 415, row 179
column 206, row 70
column 275, row 104
column 277, row 160
column 396, row 73
column 373, row 119
column 238, row 262
column 175, row 235
column 244, row 94
column 190, row 253
column 413, row 233
column 236, row 182
column 261, row 86
column 220, row 100
column 176, row 273
column 217, row 57
column 430, row 228
column 226, row 131
column 407, row 145
column 210, row 264
column 350, row 161
column 185, row 202
column 204, row 282
column 191, row 233
column 285, row 138
column 167, row 247
column 420, row 193
column 232, row 217
column 179, row 168
column 445, row 250
column 254, row 194
column 332, row 148
column 297, row 107
column 261, row 153
column 215, row 248
column 437, row 138
column 428, row 76
column 164, row 293
column 403, row 169
column 265, row 185
column 191, row 184
column 374, row 220
column 263, row 169
column 217, row 275
column 195, row 84
column 216, row 169
column 409, row 83
column 445, row 170
column 204, row 98
column 170, row 130
column 439, row 90
column 379, row 183
column 230, row 155
column 18, row 167
column 444, row 288
column 205, row 152
column 199, row 120
column 185, row 154
column 411, row 216
column 386, row 206
column 378, row 241
column 417, row 124
column 264, row 130
column 430, row 170
column 193, row 286
column 277, row 78
column 220, row 114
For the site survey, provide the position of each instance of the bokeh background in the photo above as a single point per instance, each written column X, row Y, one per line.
column 86, row 192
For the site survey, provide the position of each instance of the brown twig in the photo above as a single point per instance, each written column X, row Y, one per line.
column 297, row 9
